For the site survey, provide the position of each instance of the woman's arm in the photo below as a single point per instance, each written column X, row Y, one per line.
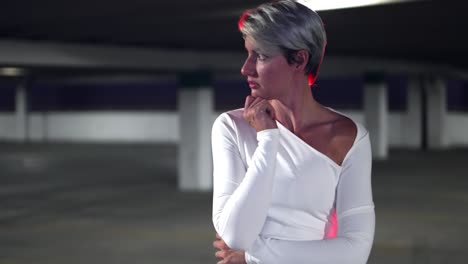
column 356, row 221
column 241, row 196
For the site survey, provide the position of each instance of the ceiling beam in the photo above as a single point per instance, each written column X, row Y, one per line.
column 89, row 57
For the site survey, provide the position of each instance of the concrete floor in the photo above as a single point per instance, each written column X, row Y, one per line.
column 110, row 203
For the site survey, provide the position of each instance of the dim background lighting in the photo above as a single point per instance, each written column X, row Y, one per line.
column 11, row 71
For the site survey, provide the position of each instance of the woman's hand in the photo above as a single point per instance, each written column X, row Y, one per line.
column 259, row 113
column 227, row 255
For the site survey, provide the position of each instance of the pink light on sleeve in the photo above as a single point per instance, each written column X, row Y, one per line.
column 331, row 229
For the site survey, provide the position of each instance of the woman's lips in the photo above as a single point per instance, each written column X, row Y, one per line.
column 253, row 85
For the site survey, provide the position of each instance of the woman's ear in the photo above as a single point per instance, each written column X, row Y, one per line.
column 301, row 58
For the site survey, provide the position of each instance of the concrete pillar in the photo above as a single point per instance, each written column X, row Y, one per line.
column 376, row 113
column 412, row 127
column 436, row 102
column 21, row 111
column 195, row 121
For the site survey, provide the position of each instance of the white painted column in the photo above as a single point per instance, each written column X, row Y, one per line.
column 195, row 122
column 21, row 111
column 376, row 114
column 436, row 92
column 412, row 127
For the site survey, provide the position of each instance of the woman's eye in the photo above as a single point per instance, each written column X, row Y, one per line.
column 261, row 57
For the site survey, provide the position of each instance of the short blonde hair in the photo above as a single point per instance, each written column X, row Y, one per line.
column 287, row 26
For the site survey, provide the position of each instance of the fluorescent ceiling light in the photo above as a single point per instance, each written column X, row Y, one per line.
column 319, row 5
column 316, row 5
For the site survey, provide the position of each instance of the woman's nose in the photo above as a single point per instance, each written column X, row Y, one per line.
column 248, row 69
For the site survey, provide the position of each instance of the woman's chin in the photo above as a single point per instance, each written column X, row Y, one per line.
column 255, row 93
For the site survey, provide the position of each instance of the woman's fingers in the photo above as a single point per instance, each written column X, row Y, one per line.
column 220, row 244
column 259, row 113
column 263, row 107
column 248, row 101
column 251, row 101
column 221, row 253
column 231, row 257
column 257, row 101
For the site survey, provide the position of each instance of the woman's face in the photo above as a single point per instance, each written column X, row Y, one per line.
column 269, row 75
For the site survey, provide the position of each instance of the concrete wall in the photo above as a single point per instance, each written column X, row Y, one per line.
column 98, row 126
column 457, row 129
column 158, row 127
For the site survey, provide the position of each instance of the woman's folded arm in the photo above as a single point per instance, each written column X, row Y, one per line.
column 241, row 196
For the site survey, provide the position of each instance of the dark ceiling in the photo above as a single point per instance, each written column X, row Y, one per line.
column 423, row 31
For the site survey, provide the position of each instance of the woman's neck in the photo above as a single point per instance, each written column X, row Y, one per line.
column 297, row 111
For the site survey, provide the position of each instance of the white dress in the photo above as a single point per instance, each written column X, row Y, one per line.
column 282, row 201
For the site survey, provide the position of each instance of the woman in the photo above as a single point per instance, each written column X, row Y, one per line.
column 291, row 177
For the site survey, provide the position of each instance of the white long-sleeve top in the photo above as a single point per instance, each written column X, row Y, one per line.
column 282, row 201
